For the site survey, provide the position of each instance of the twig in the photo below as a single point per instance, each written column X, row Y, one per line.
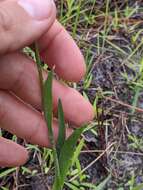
column 93, row 162
column 118, row 152
column 125, row 104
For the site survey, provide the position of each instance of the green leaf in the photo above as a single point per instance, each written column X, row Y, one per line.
column 102, row 185
column 46, row 92
column 77, row 151
column 4, row 188
column 139, row 187
column 39, row 68
column 71, row 186
column 47, row 101
column 90, row 185
column 66, row 155
column 62, row 129
column 7, row 172
column 48, row 113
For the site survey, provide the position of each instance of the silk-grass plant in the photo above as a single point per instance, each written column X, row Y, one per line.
column 63, row 149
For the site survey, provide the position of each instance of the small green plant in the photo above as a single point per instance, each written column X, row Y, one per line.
column 63, row 149
column 136, row 142
column 132, row 183
column 75, row 185
column 7, row 172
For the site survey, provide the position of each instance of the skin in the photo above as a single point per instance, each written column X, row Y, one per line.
column 20, row 100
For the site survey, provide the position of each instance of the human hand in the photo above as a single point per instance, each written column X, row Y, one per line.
column 23, row 22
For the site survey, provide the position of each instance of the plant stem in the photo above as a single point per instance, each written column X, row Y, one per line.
column 47, row 107
column 38, row 63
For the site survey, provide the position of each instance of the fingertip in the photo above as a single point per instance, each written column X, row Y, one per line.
column 22, row 157
column 79, row 110
column 76, row 73
column 86, row 115
column 19, row 156
column 24, row 22
column 12, row 154
column 89, row 113
column 59, row 50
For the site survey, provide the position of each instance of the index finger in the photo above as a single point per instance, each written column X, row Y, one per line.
column 58, row 49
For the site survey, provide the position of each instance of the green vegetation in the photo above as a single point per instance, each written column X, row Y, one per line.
column 64, row 149
column 109, row 154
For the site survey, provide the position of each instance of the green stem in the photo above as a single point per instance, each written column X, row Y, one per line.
column 38, row 63
column 47, row 112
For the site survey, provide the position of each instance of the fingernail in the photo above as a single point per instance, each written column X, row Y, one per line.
column 39, row 10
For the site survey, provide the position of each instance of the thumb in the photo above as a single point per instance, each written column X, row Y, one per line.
column 24, row 21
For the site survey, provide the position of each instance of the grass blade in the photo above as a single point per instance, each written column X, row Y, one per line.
column 66, row 155
column 7, row 172
column 48, row 112
column 139, row 187
column 102, row 185
column 62, row 129
column 77, row 151
column 47, row 101
column 66, row 148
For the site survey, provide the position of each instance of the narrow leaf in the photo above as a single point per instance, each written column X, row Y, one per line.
column 48, row 113
column 46, row 92
column 7, row 172
column 39, row 68
column 71, row 186
column 77, row 152
column 139, row 187
column 102, row 185
column 62, row 129
column 66, row 155
column 47, row 100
